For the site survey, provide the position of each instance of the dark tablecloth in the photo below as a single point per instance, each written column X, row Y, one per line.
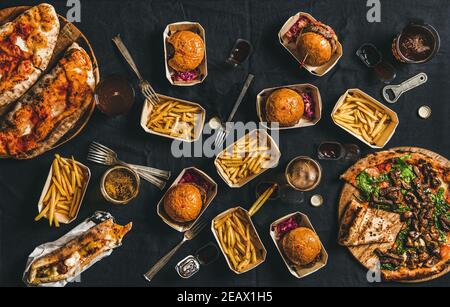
column 141, row 24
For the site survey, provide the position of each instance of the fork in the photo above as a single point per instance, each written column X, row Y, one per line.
column 223, row 131
column 101, row 154
column 188, row 235
column 146, row 89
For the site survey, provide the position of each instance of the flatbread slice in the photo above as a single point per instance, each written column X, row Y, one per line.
column 26, row 48
column 50, row 109
column 72, row 258
column 362, row 225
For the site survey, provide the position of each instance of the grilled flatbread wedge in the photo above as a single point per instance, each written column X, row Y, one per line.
column 362, row 225
column 71, row 259
column 26, row 47
column 50, row 109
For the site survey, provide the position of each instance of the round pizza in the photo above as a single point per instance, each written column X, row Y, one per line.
column 26, row 48
column 403, row 205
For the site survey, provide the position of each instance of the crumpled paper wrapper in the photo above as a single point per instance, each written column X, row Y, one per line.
column 49, row 247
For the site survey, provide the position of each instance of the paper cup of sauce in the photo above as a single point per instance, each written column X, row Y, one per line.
column 114, row 96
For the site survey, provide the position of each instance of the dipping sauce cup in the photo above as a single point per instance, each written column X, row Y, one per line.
column 114, row 96
column 120, row 185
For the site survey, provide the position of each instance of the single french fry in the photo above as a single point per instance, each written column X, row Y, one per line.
column 42, row 213
column 56, row 170
column 254, row 256
column 55, row 218
column 67, row 183
column 239, row 225
column 49, row 193
column 52, row 208
column 73, row 181
column 380, row 125
column 75, row 203
column 59, row 187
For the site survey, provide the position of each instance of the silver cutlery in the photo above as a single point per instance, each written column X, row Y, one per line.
column 188, row 235
column 146, row 89
column 101, row 154
column 223, row 130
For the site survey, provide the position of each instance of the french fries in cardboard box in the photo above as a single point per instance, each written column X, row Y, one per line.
column 250, row 251
column 365, row 118
column 247, row 158
column 64, row 191
column 174, row 118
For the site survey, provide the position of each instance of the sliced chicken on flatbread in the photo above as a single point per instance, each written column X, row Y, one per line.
column 50, row 109
column 363, row 225
column 26, row 48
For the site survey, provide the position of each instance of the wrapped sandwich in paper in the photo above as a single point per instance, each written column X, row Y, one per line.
column 56, row 263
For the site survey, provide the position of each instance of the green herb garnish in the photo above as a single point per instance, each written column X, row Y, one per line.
column 406, row 170
column 400, row 242
column 388, row 267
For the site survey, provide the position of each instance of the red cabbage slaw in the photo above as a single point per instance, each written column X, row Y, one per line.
column 310, row 105
column 191, row 176
column 286, row 226
column 185, row 76
column 295, row 30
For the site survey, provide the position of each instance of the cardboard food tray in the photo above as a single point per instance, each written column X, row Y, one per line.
column 262, row 97
column 148, row 108
column 185, row 26
column 292, row 48
column 259, row 246
column 211, row 194
column 296, row 270
column 388, row 132
column 273, row 163
column 62, row 218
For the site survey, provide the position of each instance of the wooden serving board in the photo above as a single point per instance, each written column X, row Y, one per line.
column 68, row 35
column 365, row 254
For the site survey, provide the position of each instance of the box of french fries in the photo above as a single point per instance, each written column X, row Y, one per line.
column 174, row 118
column 298, row 270
column 262, row 97
column 185, row 26
column 210, row 195
column 238, row 240
column 247, row 158
column 63, row 191
column 291, row 47
column 365, row 118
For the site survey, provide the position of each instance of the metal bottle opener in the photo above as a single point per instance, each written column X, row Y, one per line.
column 392, row 93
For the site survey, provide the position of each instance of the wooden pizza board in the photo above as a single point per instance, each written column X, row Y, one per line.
column 365, row 254
column 68, row 35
